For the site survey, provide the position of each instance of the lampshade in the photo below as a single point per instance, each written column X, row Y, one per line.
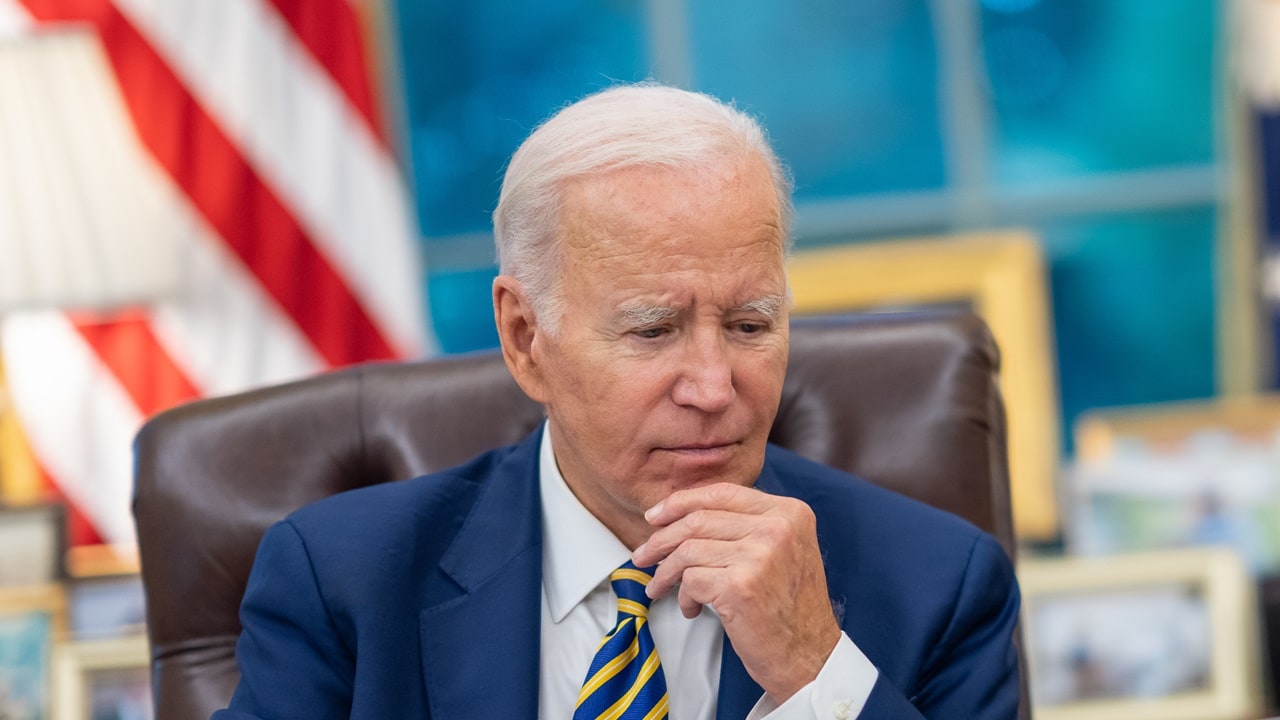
column 80, row 212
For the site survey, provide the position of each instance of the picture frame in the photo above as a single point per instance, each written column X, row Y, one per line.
column 1179, row 474
column 105, row 606
column 1000, row 275
column 31, row 620
column 33, row 544
column 105, row 679
column 1167, row 635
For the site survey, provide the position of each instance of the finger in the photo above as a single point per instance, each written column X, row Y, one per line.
column 699, row 590
column 704, row 524
column 720, row 496
column 696, row 553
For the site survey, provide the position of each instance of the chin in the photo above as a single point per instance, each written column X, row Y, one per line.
column 695, row 479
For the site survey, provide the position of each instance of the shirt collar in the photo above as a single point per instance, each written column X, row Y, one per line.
column 578, row 551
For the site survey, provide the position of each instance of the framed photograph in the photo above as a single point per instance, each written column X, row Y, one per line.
column 32, row 544
column 30, row 620
column 1001, row 277
column 104, row 680
column 1179, row 475
column 1166, row 635
column 106, row 606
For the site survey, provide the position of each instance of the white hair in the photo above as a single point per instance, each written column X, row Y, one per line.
column 624, row 126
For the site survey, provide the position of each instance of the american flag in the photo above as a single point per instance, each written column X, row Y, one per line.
column 297, row 246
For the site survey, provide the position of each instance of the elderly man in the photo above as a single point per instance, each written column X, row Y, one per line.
column 643, row 301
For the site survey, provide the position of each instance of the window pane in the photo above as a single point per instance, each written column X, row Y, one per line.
column 1133, row 299
column 846, row 89
column 479, row 75
column 1081, row 86
column 462, row 309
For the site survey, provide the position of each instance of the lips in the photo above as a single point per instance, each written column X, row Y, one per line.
column 700, row 446
column 700, row 449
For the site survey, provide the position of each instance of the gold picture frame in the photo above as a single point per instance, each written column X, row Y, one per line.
column 113, row 671
column 1202, row 597
column 1001, row 276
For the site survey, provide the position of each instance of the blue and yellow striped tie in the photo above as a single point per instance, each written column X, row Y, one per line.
column 625, row 681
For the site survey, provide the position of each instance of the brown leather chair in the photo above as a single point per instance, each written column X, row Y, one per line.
column 907, row 401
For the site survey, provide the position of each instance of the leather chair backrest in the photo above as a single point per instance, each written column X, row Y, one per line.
column 908, row 401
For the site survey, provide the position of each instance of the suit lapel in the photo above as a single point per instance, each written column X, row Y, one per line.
column 480, row 638
column 738, row 692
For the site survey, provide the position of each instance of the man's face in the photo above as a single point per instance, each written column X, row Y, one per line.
column 667, row 367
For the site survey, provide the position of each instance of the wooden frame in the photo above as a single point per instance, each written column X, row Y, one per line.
column 1215, row 577
column 21, row 603
column 76, row 664
column 1178, row 474
column 1097, row 433
column 1001, row 276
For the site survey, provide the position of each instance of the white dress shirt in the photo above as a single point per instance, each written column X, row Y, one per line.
column 579, row 608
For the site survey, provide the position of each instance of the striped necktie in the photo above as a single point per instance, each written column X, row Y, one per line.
column 625, row 681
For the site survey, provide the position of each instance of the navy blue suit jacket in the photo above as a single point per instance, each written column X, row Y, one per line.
column 422, row 599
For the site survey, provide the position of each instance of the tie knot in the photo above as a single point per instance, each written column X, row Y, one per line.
column 629, row 583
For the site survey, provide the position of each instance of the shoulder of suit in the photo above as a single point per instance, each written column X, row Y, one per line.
column 412, row 498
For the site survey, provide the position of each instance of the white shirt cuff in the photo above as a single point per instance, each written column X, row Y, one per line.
column 838, row 693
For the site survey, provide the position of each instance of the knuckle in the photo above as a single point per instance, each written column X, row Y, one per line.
column 800, row 514
column 775, row 529
column 696, row 522
column 797, row 508
column 693, row 582
column 721, row 493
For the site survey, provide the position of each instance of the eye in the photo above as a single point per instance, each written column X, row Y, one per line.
column 749, row 327
column 652, row 333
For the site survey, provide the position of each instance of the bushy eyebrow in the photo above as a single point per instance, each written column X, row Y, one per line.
column 769, row 306
column 644, row 315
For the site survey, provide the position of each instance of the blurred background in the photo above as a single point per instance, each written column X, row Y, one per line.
column 298, row 186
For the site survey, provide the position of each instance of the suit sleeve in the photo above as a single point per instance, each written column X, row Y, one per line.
column 972, row 672
column 293, row 661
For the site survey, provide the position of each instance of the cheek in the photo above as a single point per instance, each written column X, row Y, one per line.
column 762, row 387
column 603, row 396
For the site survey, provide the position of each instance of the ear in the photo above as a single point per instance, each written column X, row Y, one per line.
column 518, row 332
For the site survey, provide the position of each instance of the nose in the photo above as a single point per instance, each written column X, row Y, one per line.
column 705, row 379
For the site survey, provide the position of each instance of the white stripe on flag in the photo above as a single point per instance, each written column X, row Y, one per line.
column 79, row 419
column 222, row 329
column 14, row 18
column 295, row 127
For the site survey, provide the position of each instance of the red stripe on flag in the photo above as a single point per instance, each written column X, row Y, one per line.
column 226, row 190
column 330, row 30
column 80, row 530
column 126, row 345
